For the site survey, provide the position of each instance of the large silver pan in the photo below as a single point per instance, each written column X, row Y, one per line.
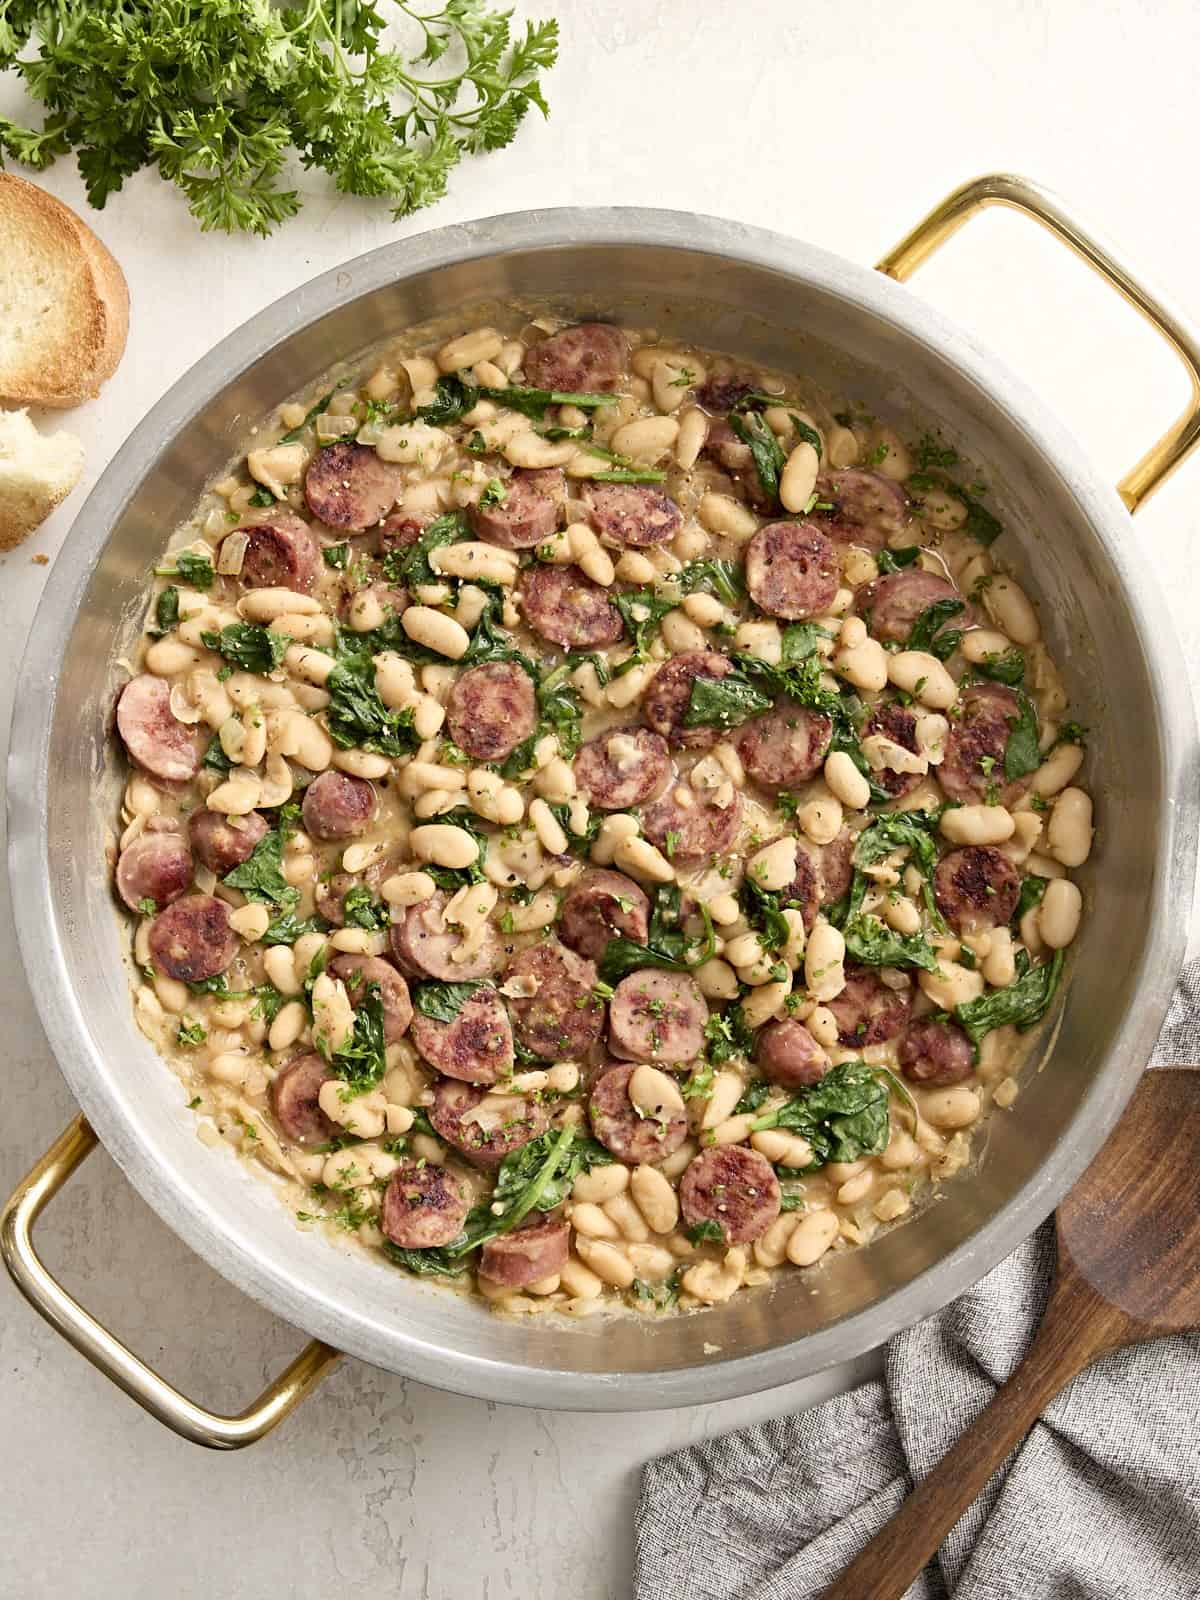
column 770, row 298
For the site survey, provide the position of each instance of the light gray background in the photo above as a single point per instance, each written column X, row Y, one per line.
column 840, row 125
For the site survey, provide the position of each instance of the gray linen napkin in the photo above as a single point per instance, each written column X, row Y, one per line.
column 1101, row 1502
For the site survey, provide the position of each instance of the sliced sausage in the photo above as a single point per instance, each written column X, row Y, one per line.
column 618, row 1125
column 156, row 867
column 491, row 710
column 867, row 509
column 399, row 532
column 657, row 1016
column 867, row 1011
column 835, row 866
column 727, row 449
column 890, row 605
column 424, row 946
column 356, row 972
column 566, row 607
column 721, row 394
column 192, row 940
column 689, row 824
column 784, row 747
column 976, row 888
column 665, row 702
column 222, row 842
column 936, row 1053
column 295, row 1102
column 973, row 767
column 632, row 514
column 337, row 806
column 589, row 358
column 527, row 515
column 562, row 1019
column 153, row 735
column 350, row 486
column 477, row 1047
column 330, row 895
column 899, row 724
column 603, row 906
column 423, row 1206
column 527, row 1256
column 622, row 768
column 734, row 1187
column 281, row 553
column 485, row 1136
column 789, row 1055
column 803, row 894
column 792, row 570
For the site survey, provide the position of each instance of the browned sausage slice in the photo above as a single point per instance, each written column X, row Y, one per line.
column 803, row 894
column 688, row 824
column 527, row 515
column 566, row 607
column 632, row 513
column 154, row 866
column 337, row 806
column 722, row 394
column 425, row 947
column 620, row 1127
column 356, row 972
column 561, row 1019
column 491, row 710
column 868, row 509
column 973, row 767
column 153, row 735
column 976, row 888
column 484, row 1136
column 891, row 605
column 665, row 702
column 899, row 724
column 784, row 747
column 936, row 1053
column 588, row 358
column 623, row 767
column 223, row 843
column 526, row 1256
column 835, row 866
column 192, row 940
column 350, row 486
column 656, row 1015
column 867, row 1011
column 281, row 553
column 399, row 532
column 789, row 1055
column 792, row 570
column 423, row 1206
column 603, row 906
column 294, row 1100
column 477, row 1047
column 734, row 1187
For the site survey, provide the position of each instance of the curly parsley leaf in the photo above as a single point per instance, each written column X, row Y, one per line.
column 361, row 909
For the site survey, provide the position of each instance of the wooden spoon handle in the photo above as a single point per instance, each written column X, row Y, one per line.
column 1068, row 1341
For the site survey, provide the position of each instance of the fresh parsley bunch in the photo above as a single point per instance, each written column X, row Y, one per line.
column 217, row 93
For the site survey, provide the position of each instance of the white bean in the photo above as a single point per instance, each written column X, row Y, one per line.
column 656, row 1199
column 435, row 631
column 812, row 1237
column 774, row 866
column 977, row 825
column 643, row 860
column 444, row 845
column 799, row 477
column 1056, row 772
column 923, row 676
column 721, row 514
column 647, row 439
column 1059, row 913
column 824, row 972
column 864, row 665
column 951, row 985
column 1069, row 832
column 1009, row 607
column 846, row 781
column 951, row 1108
column 821, row 820
column 606, row 1261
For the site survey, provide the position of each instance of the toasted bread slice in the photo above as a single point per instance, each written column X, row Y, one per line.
column 37, row 471
column 64, row 303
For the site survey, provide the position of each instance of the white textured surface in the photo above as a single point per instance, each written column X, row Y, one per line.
column 840, row 125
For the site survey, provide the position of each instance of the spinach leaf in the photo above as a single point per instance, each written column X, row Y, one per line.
column 452, row 396
column 362, row 1061
column 723, row 702
column 754, row 1096
column 722, row 578
column 286, row 929
column 410, row 566
column 356, row 716
column 337, row 555
column 443, row 1001
column 641, row 611
column 1008, row 668
column 194, row 569
column 1021, row 753
column 536, row 402
column 765, row 449
column 667, row 946
column 763, row 910
column 980, row 523
column 1071, row 733
column 248, row 646
column 494, row 494
column 361, row 909
column 799, row 643
column 425, row 1263
column 805, row 433
column 166, row 609
column 874, row 944
column 893, row 560
column 260, row 877
column 706, row 1232
column 558, row 713
column 489, row 641
column 1023, row 1003
column 925, row 630
column 578, row 844
column 630, row 475
column 310, row 417
column 262, row 497
column 215, row 757
column 1032, row 890
column 843, row 1117
column 662, row 1296
column 913, row 830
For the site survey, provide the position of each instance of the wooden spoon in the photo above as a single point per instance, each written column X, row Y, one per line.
column 1128, row 1243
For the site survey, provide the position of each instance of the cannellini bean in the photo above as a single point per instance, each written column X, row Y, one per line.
column 716, row 980
column 782, row 1148
column 999, row 965
column 799, row 477
column 539, row 913
column 362, row 763
column 722, row 514
column 314, row 666
column 924, row 677
column 1056, row 772
column 771, row 1249
column 628, row 1219
column 549, row 832
column 891, row 1205
column 812, row 1237
column 606, row 1261
column 980, row 643
column 1011, row 610
column 592, row 1222
column 435, row 631
column 614, row 831
column 601, row 1183
column 656, row 1199
column 494, row 799
column 977, row 825
column 641, row 859
column 413, row 444
column 680, row 634
column 774, row 866
column 728, row 1088
column 408, row 889
column 761, row 639
column 693, row 431
column 1069, row 831
column 530, row 450
column 475, row 561
column 793, row 950
column 333, row 1015
column 653, row 1093
column 766, row 1001
column 1059, row 913
column 713, row 1282
column 903, row 916
column 481, row 344
column 823, row 1026
column 864, row 665
column 444, row 845
column 704, row 609
column 951, row 1108
column 265, row 605
column 951, row 985
column 841, row 446
column 821, row 820
column 647, row 439
column 824, row 972
column 250, row 921
column 852, row 632
column 290, row 1022
column 238, row 795
column 846, row 781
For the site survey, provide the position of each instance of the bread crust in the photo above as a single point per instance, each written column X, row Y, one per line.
column 62, row 362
